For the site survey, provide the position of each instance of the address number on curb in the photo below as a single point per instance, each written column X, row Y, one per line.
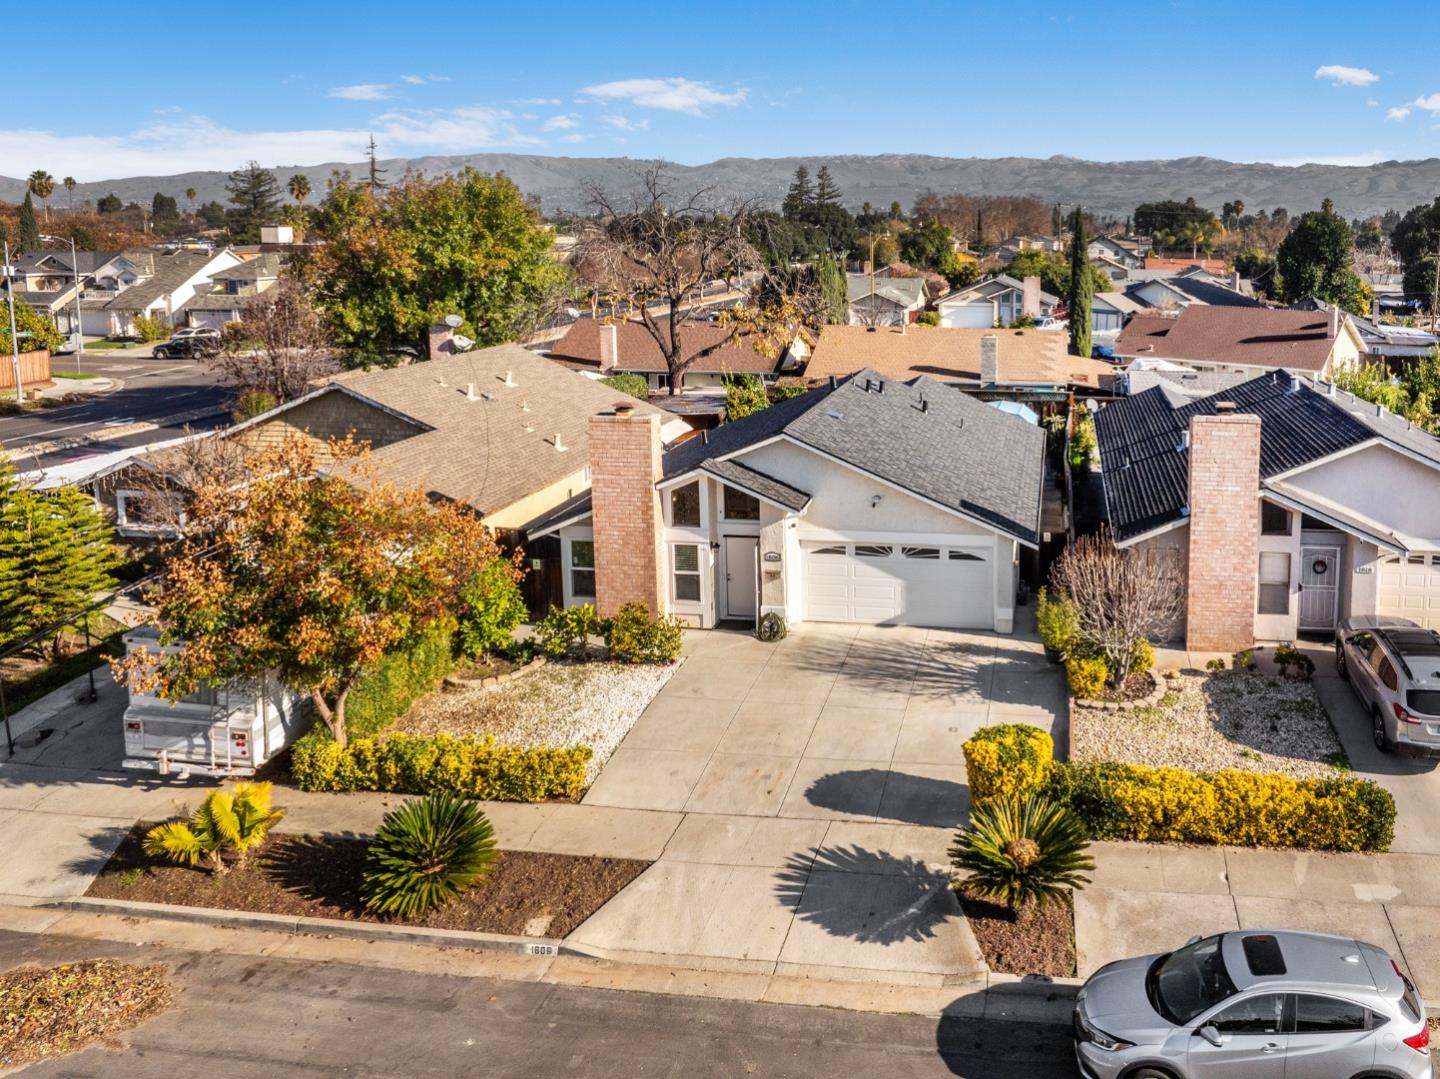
column 544, row 949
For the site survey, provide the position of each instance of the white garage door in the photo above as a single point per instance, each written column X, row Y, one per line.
column 900, row 584
column 1410, row 588
column 974, row 315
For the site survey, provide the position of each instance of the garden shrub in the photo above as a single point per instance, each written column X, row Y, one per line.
column 1022, row 852
column 1293, row 663
column 1214, row 664
column 151, row 328
column 492, row 606
column 253, row 403
column 1057, row 619
column 473, row 767
column 1243, row 660
column 425, row 854
column 632, row 385
column 772, row 627
column 385, row 694
column 1010, row 760
column 1144, row 657
column 1087, row 676
column 1236, row 808
column 566, row 631
column 632, row 637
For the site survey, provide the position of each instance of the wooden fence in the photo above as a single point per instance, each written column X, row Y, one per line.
column 34, row 370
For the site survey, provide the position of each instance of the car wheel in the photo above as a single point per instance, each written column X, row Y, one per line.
column 1149, row 1073
column 1340, row 668
column 1377, row 729
column 160, row 354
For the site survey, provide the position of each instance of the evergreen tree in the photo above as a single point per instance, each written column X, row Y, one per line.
column 979, row 228
column 110, row 204
column 830, row 280
column 29, row 229
column 255, row 194
column 826, row 193
column 1057, row 220
column 800, row 196
column 164, row 212
column 377, row 174
column 1315, row 260
column 1082, row 289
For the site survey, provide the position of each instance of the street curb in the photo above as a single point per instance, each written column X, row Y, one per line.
column 55, row 445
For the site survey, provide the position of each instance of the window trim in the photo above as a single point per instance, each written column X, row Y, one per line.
column 676, row 573
column 725, row 491
column 699, row 506
column 571, row 566
column 1261, row 583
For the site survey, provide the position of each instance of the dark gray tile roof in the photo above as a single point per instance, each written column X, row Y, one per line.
column 1146, row 473
column 923, row 436
column 757, row 483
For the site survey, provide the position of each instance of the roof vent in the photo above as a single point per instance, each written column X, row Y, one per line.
column 559, row 445
column 622, row 408
column 1184, row 443
column 1379, row 410
column 705, row 436
column 509, row 379
column 834, row 382
column 524, row 406
column 835, row 415
column 921, row 405
column 470, row 392
column 1224, row 408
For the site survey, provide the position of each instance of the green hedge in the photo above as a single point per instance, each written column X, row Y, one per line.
column 385, row 694
column 473, row 767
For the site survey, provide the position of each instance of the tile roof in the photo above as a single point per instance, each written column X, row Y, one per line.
column 1145, row 472
column 952, row 354
column 1248, row 336
column 637, row 350
column 922, row 436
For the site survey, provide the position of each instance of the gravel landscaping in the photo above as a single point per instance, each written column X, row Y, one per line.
column 562, row 704
column 1209, row 721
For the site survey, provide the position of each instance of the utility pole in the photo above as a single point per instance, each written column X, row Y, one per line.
column 14, row 338
column 79, row 331
column 1434, row 261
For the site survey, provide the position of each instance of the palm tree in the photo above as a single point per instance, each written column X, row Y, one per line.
column 299, row 187
column 69, row 183
column 237, row 819
column 190, row 197
column 42, row 186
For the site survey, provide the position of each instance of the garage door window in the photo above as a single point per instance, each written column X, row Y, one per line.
column 687, row 572
column 963, row 556
column 921, row 552
column 1274, row 583
column 867, row 551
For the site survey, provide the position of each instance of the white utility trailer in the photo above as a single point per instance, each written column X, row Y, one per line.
column 215, row 731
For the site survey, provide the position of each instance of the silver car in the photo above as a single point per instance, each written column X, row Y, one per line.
column 1253, row 1004
column 1394, row 667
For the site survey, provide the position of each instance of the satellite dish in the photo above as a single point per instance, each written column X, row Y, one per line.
column 462, row 343
column 453, row 321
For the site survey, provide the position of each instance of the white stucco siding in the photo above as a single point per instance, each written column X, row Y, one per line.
column 1382, row 485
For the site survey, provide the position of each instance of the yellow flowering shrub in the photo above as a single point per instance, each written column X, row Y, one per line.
column 1087, row 676
column 1008, row 761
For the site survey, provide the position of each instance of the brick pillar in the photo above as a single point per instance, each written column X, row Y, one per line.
column 624, row 468
column 440, row 339
column 1224, row 532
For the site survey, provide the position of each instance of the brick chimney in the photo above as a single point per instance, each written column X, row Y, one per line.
column 1224, row 530
column 1030, row 297
column 609, row 347
column 1334, row 320
column 440, row 338
column 624, row 468
column 989, row 360
column 1235, row 280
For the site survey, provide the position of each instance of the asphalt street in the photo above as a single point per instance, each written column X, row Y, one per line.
column 151, row 389
column 242, row 1016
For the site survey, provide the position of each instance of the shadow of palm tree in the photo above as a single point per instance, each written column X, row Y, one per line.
column 893, row 796
column 118, row 842
column 873, row 897
column 326, row 869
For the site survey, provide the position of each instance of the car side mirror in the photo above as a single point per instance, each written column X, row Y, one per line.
column 1210, row 1034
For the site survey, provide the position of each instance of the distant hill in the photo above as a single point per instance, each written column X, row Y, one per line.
column 1107, row 187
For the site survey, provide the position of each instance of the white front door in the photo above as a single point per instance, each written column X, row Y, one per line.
column 740, row 555
column 1319, row 586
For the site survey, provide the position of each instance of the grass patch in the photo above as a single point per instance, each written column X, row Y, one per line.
column 52, row 1011
column 41, row 680
column 105, row 346
column 79, row 376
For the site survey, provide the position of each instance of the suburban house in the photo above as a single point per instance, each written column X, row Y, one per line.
column 1109, row 311
column 1007, row 250
column 996, row 301
column 871, row 501
column 881, row 300
column 1032, row 365
column 1215, row 266
column 223, row 298
column 149, row 284
column 1284, row 506
column 1250, row 340
column 1172, row 292
column 1381, row 339
column 47, row 281
column 1107, row 247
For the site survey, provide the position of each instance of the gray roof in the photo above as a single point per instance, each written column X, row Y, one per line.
column 171, row 271
column 266, row 265
column 1180, row 386
column 88, row 261
column 922, row 436
column 906, row 291
column 215, row 300
column 757, row 483
column 993, row 286
column 1201, row 289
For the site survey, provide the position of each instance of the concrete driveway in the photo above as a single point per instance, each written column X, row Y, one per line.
column 835, row 722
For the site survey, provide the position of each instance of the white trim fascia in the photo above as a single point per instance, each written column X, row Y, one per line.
column 1389, row 543
column 556, row 526
column 1161, row 530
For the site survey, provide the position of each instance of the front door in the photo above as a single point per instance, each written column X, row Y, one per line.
column 740, row 556
column 1319, row 587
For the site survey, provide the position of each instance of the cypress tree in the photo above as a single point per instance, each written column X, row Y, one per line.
column 29, row 228
column 1082, row 290
column 830, row 279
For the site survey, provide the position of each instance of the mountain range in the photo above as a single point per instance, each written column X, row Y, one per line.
column 1110, row 188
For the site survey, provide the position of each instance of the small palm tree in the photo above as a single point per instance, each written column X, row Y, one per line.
column 1023, row 852
column 69, row 185
column 235, row 820
column 426, row 853
column 190, row 197
column 42, row 186
column 299, row 187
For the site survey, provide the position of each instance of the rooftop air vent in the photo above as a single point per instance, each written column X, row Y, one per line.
column 835, row 415
column 509, row 379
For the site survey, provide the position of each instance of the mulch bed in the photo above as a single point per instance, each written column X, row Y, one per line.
column 45, row 1012
column 1042, row 941
column 319, row 877
column 1135, row 686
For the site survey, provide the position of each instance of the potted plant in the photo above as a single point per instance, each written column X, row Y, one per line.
column 1058, row 621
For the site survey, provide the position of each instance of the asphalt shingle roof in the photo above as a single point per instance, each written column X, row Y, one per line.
column 906, row 291
column 756, row 482
column 1246, row 336
column 637, row 350
column 171, row 271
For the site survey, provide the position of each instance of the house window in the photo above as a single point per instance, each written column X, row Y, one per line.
column 687, row 572
column 685, row 506
column 1274, row 520
column 741, row 507
column 1274, row 583
column 582, row 568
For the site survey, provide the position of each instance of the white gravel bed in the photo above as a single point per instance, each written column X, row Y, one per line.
column 562, row 704
column 1206, row 722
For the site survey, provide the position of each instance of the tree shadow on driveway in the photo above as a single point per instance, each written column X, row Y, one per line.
column 872, row 897
column 892, row 796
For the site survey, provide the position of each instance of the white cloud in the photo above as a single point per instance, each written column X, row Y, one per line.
column 1429, row 104
column 673, row 95
column 363, row 91
column 1371, row 103
column 189, row 143
column 420, row 80
column 1399, row 112
column 539, row 101
column 563, row 123
column 1367, row 157
column 624, row 123
column 573, row 138
column 1340, row 75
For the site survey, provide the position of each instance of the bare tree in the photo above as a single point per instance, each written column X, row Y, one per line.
column 167, row 477
column 659, row 247
column 283, row 344
column 1123, row 596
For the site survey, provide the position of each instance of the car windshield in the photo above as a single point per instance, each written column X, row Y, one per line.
column 1190, row 981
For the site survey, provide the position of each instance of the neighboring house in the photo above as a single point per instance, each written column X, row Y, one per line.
column 1171, row 292
column 1178, row 383
column 47, row 281
column 627, row 348
column 172, row 281
column 1027, row 364
column 1250, row 340
column 873, row 501
column 880, row 300
column 1215, row 266
column 1106, row 247
column 1109, row 311
column 996, row 301
column 1383, row 340
column 223, row 298
column 1283, row 507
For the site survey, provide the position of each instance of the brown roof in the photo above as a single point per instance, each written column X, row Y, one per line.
column 638, row 351
column 1213, row 265
column 1026, row 357
column 1252, row 336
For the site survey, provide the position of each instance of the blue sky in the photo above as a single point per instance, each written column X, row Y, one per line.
column 302, row 84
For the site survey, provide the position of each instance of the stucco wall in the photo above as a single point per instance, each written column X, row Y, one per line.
column 1381, row 484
